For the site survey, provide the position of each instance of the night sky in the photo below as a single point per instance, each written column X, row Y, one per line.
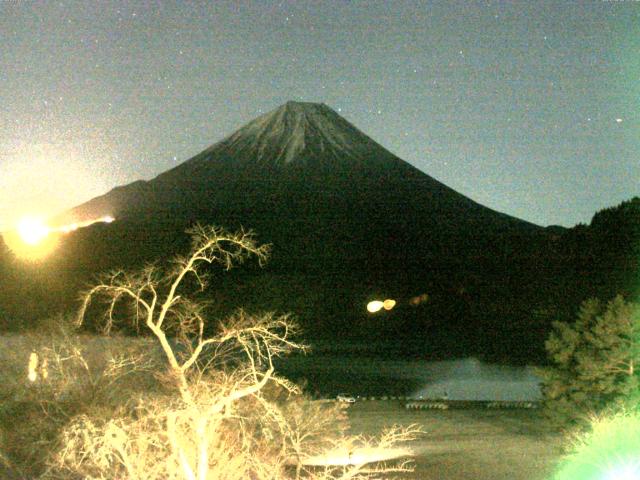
column 530, row 108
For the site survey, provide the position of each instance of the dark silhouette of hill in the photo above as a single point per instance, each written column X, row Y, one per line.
column 603, row 258
column 349, row 222
column 298, row 150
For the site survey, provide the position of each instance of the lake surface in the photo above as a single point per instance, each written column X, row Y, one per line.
column 461, row 379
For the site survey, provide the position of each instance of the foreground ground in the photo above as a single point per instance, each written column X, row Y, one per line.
column 473, row 444
column 469, row 444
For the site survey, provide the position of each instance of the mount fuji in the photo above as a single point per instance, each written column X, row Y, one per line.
column 304, row 177
column 349, row 222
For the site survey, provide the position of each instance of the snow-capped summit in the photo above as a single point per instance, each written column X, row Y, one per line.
column 310, row 135
column 297, row 131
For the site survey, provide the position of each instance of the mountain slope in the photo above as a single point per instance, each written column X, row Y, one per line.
column 300, row 159
column 297, row 132
column 348, row 220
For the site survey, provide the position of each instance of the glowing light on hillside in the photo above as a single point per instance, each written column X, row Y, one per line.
column 33, row 239
column 374, row 306
column 419, row 299
column 32, row 230
column 72, row 227
column 377, row 305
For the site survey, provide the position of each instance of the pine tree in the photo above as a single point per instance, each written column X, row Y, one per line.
column 595, row 361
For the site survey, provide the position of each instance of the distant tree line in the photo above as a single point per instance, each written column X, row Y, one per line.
column 493, row 297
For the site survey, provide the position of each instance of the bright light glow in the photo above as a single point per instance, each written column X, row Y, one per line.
column 375, row 306
column 51, row 176
column 388, row 304
column 72, row 227
column 419, row 299
column 32, row 230
column 610, row 450
column 33, row 365
column 626, row 471
column 33, row 239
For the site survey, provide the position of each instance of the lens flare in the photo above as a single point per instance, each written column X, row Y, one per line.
column 626, row 471
column 609, row 450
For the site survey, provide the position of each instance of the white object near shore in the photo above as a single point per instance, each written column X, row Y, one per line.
column 471, row 379
column 33, row 367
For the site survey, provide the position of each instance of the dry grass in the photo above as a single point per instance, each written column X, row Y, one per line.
column 74, row 375
column 96, row 411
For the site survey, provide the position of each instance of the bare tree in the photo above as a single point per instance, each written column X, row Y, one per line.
column 225, row 421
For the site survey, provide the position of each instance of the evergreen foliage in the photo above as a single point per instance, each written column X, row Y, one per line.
column 595, row 361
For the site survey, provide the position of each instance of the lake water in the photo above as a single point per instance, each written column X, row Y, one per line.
column 459, row 379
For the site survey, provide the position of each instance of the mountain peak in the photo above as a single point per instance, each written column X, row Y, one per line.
column 299, row 152
column 293, row 104
column 302, row 133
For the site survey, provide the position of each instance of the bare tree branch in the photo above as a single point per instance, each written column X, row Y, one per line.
column 223, row 424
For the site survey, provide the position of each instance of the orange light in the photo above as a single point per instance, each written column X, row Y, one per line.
column 32, row 230
column 377, row 305
column 33, row 239
column 419, row 299
column 72, row 227
column 388, row 304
